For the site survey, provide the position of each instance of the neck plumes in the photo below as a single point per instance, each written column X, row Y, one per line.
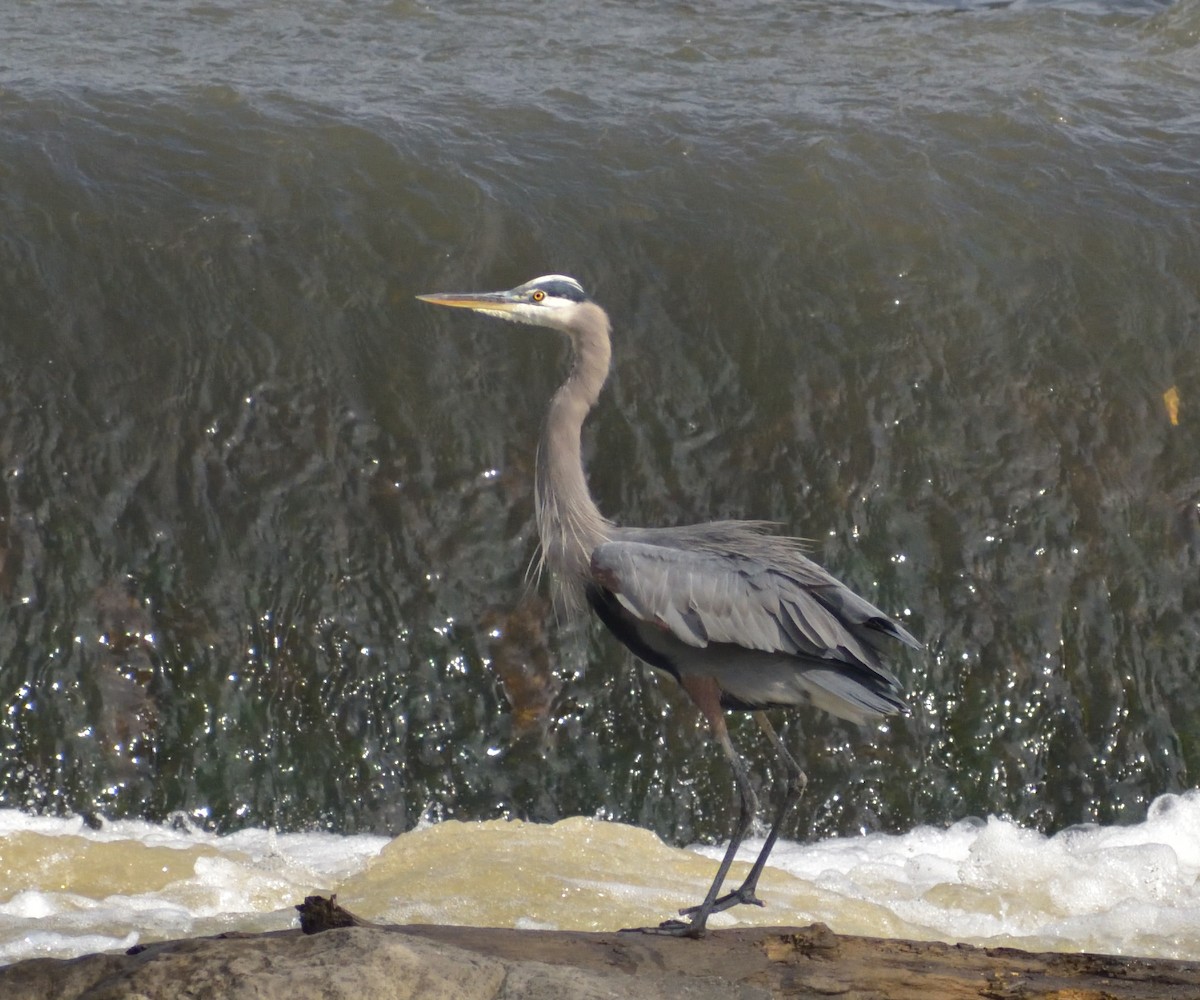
column 569, row 524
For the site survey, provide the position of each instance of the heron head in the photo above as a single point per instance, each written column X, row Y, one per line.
column 550, row 300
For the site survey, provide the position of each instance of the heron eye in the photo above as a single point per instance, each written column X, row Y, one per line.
column 538, row 295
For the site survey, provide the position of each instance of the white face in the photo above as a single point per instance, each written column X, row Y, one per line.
column 544, row 301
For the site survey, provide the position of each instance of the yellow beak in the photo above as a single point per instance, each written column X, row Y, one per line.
column 494, row 302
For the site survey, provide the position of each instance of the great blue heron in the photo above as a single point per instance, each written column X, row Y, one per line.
column 741, row 618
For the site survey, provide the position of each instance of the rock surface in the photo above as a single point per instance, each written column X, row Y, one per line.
column 475, row 963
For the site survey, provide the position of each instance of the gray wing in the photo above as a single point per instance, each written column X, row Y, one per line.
column 729, row 585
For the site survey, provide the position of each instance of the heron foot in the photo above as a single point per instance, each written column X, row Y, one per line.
column 671, row 928
column 742, row 894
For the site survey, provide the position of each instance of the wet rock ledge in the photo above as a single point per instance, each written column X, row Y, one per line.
column 359, row 960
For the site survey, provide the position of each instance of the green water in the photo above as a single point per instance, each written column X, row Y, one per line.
column 912, row 285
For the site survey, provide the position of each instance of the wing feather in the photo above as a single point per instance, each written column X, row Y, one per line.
column 702, row 593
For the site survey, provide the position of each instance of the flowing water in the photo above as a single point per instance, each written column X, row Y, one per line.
column 918, row 280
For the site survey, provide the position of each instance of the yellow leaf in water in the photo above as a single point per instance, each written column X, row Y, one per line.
column 1171, row 399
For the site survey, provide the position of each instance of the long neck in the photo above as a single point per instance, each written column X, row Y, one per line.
column 569, row 524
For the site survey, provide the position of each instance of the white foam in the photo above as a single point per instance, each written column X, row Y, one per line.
column 247, row 880
column 1128, row 890
column 66, row 889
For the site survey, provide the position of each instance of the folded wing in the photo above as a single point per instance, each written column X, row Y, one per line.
column 730, row 584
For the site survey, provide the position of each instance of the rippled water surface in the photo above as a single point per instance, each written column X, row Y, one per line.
column 918, row 281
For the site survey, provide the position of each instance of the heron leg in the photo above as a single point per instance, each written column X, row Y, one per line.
column 747, row 807
column 796, row 782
